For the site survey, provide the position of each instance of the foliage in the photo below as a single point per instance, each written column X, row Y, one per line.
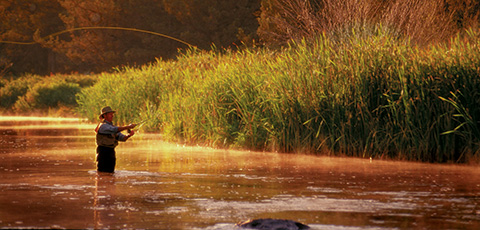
column 22, row 20
column 222, row 23
column 421, row 21
column 367, row 96
column 204, row 23
column 52, row 94
column 14, row 89
column 34, row 92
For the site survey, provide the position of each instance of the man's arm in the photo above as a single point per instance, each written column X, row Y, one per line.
column 110, row 129
column 130, row 126
column 123, row 137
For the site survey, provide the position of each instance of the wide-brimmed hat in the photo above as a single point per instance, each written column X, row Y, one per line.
column 105, row 110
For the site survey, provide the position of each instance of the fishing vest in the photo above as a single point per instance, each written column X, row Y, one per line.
column 106, row 140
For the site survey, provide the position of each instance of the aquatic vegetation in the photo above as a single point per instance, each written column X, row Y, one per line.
column 368, row 96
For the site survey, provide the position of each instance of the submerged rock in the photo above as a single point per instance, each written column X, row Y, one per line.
column 272, row 224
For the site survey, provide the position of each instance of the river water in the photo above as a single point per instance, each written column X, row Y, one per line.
column 48, row 180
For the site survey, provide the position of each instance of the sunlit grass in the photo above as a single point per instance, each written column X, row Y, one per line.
column 368, row 96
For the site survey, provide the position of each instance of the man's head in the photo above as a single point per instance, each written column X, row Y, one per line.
column 107, row 113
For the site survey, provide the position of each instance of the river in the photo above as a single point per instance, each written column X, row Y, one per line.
column 48, row 180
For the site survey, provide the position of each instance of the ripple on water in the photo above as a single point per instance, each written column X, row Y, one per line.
column 210, row 207
column 230, row 226
column 26, row 186
column 128, row 173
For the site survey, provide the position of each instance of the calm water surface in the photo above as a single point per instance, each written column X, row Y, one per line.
column 48, row 180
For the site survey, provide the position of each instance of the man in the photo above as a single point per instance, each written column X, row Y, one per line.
column 108, row 136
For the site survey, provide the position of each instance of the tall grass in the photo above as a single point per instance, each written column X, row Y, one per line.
column 368, row 96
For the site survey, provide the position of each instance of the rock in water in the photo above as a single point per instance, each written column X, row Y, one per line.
column 272, row 224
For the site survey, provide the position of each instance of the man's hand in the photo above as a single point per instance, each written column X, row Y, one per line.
column 127, row 127
column 131, row 133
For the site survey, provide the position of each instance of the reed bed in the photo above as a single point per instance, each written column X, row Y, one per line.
column 366, row 96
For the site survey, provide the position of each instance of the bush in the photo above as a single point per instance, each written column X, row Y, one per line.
column 14, row 89
column 52, row 94
column 82, row 80
column 423, row 22
column 35, row 92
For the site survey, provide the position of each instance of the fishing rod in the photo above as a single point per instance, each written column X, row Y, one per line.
column 137, row 126
column 99, row 28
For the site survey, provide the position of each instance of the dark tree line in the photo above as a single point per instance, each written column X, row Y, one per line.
column 202, row 23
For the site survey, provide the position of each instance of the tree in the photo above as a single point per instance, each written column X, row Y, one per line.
column 90, row 50
column 223, row 23
column 23, row 20
column 149, row 15
column 198, row 22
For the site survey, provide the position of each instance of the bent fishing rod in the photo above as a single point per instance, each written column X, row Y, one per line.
column 98, row 28
column 137, row 126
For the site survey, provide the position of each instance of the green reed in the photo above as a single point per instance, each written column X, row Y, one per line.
column 367, row 96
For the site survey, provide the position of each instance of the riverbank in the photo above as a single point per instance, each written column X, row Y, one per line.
column 368, row 96
column 373, row 96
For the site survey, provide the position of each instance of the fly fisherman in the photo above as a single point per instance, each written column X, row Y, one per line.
column 108, row 136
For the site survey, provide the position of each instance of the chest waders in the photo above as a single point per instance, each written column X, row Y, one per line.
column 106, row 144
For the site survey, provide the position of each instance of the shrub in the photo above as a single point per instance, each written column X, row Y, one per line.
column 50, row 94
column 14, row 89
column 421, row 21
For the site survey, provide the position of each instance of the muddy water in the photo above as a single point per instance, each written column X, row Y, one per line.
column 48, row 180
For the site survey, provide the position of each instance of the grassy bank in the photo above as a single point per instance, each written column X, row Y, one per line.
column 363, row 96
column 368, row 96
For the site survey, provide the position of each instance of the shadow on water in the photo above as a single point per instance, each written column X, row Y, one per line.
column 49, row 181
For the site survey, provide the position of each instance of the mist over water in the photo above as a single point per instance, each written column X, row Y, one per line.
column 48, row 180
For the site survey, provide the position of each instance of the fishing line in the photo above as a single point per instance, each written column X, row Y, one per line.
column 99, row 28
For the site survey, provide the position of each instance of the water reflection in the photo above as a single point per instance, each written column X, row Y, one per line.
column 104, row 199
column 49, row 181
